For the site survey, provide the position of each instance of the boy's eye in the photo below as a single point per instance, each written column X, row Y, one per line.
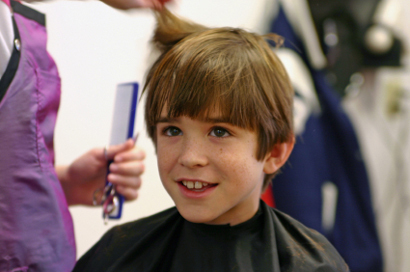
column 172, row 131
column 219, row 132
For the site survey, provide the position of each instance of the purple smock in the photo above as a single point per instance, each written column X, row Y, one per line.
column 36, row 228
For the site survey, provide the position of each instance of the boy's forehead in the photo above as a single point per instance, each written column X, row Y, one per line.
column 213, row 115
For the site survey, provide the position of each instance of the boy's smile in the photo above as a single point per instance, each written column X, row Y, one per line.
column 210, row 169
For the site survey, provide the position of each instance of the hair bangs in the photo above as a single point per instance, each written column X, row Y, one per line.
column 215, row 79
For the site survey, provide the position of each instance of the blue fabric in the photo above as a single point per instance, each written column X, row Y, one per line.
column 328, row 150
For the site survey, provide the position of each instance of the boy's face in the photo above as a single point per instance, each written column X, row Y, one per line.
column 210, row 169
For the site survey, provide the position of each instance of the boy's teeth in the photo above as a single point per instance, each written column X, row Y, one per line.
column 196, row 184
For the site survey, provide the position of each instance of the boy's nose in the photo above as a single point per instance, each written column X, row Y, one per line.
column 192, row 154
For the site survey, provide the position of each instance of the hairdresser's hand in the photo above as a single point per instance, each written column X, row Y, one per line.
column 130, row 4
column 87, row 173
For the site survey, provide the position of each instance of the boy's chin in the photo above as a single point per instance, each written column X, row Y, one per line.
column 198, row 216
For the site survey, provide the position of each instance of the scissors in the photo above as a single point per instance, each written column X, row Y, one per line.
column 111, row 201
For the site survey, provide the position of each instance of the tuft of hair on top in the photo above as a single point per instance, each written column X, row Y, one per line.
column 170, row 29
column 226, row 70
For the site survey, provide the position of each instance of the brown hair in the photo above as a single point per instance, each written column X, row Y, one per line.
column 226, row 69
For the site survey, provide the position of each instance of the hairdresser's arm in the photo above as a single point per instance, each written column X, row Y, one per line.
column 130, row 4
column 127, row 4
column 87, row 173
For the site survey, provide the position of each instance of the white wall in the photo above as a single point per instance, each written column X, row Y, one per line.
column 95, row 48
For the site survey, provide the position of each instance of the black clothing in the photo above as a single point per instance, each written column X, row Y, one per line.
column 270, row 241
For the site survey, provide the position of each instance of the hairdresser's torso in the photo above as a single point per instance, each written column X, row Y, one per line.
column 36, row 231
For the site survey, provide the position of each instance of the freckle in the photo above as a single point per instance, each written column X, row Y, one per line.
column 220, row 150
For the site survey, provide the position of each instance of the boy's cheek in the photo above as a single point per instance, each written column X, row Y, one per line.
column 164, row 159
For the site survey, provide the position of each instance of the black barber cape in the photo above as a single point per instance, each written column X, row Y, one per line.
column 270, row 241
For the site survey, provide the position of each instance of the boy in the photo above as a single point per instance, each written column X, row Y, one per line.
column 219, row 111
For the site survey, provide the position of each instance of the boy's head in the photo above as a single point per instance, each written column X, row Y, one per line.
column 226, row 74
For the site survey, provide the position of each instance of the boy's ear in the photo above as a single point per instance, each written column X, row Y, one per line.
column 278, row 156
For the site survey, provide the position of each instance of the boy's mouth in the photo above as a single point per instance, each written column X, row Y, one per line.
column 196, row 185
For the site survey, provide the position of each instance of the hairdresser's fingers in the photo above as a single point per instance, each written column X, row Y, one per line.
column 127, row 186
column 154, row 4
column 133, row 182
column 130, row 168
column 110, row 151
column 128, row 193
column 134, row 154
